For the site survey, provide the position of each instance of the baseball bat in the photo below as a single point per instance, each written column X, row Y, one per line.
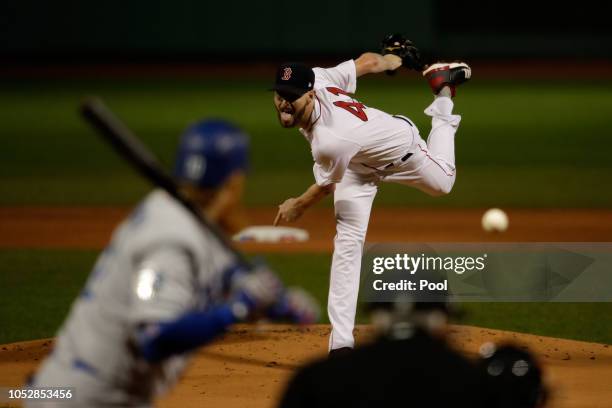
column 131, row 149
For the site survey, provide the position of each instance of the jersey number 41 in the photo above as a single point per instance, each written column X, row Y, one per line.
column 356, row 108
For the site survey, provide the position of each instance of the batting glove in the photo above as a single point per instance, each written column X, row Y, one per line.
column 255, row 292
column 296, row 306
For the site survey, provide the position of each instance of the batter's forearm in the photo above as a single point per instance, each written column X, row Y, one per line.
column 185, row 334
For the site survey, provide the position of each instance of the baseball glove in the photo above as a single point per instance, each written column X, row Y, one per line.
column 398, row 45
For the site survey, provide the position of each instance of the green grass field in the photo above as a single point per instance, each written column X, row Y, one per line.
column 38, row 286
column 520, row 143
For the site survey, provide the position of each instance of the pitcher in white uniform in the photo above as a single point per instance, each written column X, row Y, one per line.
column 354, row 148
column 165, row 286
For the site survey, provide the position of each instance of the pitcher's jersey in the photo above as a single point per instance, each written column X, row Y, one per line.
column 160, row 264
column 347, row 134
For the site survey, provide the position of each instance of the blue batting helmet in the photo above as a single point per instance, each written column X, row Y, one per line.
column 209, row 151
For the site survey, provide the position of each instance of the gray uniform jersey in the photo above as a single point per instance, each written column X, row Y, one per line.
column 160, row 264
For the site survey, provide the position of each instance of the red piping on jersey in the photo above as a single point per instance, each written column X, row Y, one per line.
column 433, row 160
column 320, row 113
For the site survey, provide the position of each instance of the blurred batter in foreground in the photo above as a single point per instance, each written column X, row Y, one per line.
column 165, row 286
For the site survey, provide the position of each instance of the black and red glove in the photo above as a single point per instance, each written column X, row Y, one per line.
column 398, row 45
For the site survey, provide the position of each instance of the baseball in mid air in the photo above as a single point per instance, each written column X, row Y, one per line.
column 495, row 220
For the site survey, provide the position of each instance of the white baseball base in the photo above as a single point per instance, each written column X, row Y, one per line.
column 270, row 234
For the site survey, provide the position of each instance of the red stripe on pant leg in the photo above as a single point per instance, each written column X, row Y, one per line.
column 433, row 160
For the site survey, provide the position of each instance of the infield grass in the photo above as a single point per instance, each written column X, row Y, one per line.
column 37, row 288
column 520, row 144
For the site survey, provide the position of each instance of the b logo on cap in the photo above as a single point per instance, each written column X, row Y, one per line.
column 286, row 74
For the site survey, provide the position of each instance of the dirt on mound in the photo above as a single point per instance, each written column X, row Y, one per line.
column 251, row 365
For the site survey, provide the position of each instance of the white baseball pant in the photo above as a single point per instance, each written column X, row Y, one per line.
column 431, row 169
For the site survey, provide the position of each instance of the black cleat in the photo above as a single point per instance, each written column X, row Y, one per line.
column 340, row 352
